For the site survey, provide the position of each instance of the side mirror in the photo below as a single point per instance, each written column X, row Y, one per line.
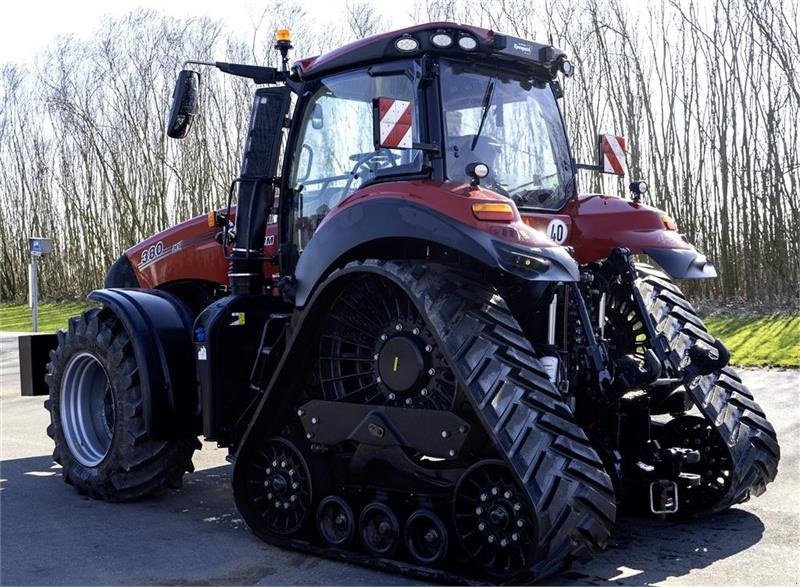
column 317, row 119
column 184, row 104
column 392, row 123
column 611, row 154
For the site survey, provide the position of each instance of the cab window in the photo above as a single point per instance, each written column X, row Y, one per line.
column 335, row 154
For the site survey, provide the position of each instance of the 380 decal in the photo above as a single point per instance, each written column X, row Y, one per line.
column 152, row 253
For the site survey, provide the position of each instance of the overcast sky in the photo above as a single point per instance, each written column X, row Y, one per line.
column 28, row 26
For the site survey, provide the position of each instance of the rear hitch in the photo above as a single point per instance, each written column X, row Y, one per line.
column 663, row 497
column 670, row 463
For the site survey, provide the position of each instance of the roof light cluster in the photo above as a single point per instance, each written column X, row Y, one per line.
column 440, row 39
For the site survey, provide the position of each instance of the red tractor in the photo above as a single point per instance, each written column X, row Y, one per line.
column 425, row 350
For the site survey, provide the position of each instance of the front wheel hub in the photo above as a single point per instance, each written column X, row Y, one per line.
column 88, row 409
column 401, row 364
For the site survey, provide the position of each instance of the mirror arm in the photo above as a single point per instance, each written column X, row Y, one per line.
column 257, row 73
column 428, row 148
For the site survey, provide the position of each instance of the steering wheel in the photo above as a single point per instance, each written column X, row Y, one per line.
column 382, row 155
column 539, row 193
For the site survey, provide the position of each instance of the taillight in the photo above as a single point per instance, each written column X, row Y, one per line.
column 493, row 211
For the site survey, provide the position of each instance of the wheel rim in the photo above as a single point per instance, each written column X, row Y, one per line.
column 335, row 521
column 375, row 348
column 280, row 487
column 88, row 409
column 492, row 519
column 426, row 538
column 380, row 530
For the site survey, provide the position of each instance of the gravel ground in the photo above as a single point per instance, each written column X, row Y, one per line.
column 193, row 536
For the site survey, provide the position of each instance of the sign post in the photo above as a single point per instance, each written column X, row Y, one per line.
column 37, row 246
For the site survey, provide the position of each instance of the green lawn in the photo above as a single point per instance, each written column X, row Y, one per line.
column 759, row 340
column 17, row 318
column 752, row 340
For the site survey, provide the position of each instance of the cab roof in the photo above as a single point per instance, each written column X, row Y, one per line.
column 544, row 59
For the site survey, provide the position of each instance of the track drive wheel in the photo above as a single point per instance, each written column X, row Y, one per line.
column 97, row 418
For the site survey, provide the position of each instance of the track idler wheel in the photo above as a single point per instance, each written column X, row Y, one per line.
column 280, row 487
column 379, row 529
column 492, row 520
column 335, row 521
column 426, row 538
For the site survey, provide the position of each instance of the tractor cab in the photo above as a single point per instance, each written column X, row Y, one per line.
column 441, row 105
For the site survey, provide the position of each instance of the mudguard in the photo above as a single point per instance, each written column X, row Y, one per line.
column 121, row 274
column 682, row 263
column 354, row 228
column 159, row 326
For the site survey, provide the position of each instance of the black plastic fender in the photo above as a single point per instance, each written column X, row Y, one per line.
column 159, row 326
column 394, row 218
column 121, row 274
column 683, row 263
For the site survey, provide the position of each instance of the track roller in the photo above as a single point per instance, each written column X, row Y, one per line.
column 426, row 538
column 379, row 529
column 335, row 521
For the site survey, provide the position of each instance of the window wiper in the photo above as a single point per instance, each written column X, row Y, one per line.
column 487, row 100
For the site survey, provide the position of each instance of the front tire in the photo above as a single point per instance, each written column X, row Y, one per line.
column 97, row 417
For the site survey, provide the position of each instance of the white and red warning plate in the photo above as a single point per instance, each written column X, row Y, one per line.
column 394, row 124
column 612, row 154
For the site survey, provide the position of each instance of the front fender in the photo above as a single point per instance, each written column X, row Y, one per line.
column 355, row 227
column 159, row 326
column 682, row 263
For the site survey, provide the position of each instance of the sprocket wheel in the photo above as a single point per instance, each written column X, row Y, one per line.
column 375, row 348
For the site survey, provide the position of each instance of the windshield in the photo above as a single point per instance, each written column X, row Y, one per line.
column 511, row 124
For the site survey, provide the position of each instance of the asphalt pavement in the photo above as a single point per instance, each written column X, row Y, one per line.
column 50, row 535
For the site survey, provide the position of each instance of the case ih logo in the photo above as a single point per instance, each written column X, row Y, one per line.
column 612, row 150
column 523, row 48
column 394, row 127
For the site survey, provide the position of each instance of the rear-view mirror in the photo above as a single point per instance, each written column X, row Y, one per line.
column 317, row 119
column 184, row 104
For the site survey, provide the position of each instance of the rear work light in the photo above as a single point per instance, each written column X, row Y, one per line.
column 441, row 40
column 493, row 211
column 406, row 44
column 468, row 43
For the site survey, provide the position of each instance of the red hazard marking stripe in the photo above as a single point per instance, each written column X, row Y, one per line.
column 613, row 154
column 395, row 123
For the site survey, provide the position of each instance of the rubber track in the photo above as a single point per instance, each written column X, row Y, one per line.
column 721, row 396
column 521, row 409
